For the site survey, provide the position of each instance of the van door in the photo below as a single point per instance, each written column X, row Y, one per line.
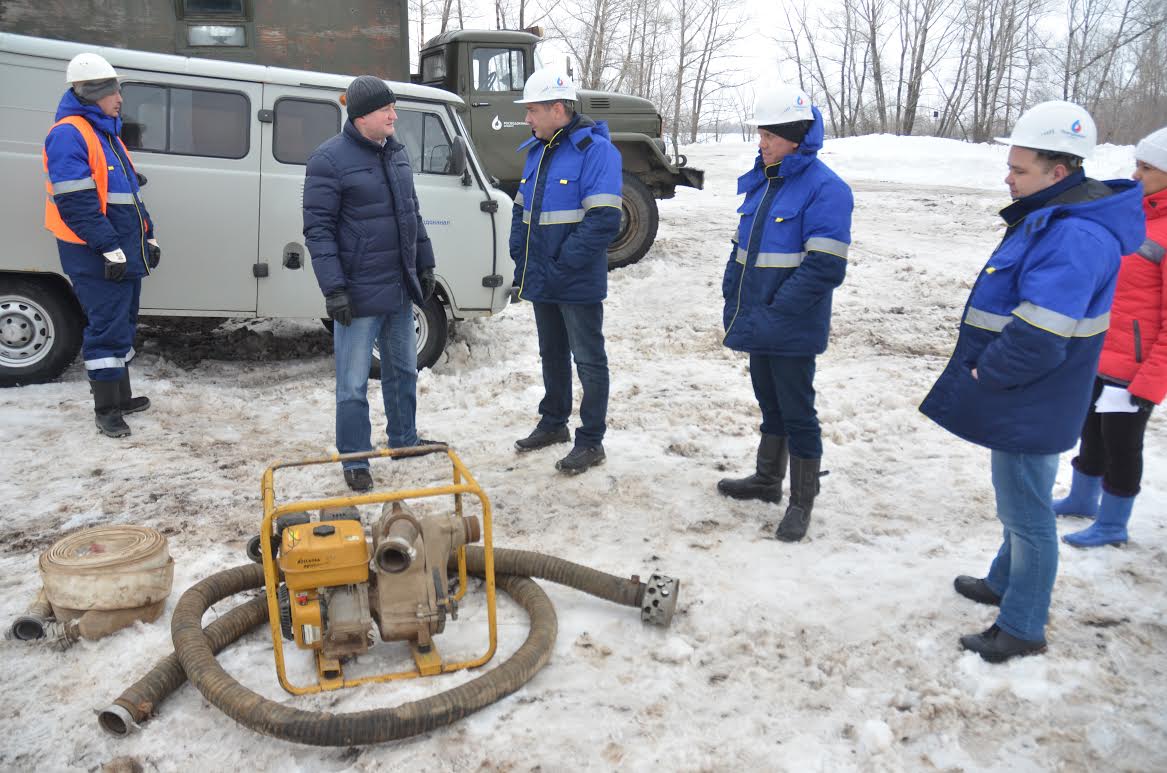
column 296, row 122
column 461, row 231
column 497, row 75
column 197, row 141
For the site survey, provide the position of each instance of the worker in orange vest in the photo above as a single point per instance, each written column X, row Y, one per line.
column 104, row 235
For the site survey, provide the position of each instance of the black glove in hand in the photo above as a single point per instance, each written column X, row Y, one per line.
column 1144, row 405
column 153, row 253
column 426, row 278
column 338, row 307
column 115, row 265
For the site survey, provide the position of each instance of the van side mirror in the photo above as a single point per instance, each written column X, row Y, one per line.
column 460, row 156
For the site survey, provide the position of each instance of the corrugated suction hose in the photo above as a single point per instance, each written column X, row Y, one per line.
column 195, row 648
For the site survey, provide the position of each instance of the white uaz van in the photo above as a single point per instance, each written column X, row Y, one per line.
column 223, row 146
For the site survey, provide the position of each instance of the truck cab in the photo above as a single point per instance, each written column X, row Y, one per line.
column 488, row 69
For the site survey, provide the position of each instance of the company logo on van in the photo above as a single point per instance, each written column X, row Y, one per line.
column 498, row 124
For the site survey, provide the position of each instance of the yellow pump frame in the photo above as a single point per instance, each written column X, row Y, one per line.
column 427, row 663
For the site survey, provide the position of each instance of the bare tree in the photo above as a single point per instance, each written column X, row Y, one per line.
column 593, row 31
column 723, row 27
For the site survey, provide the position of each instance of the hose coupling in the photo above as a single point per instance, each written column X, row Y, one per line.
column 117, row 721
column 659, row 600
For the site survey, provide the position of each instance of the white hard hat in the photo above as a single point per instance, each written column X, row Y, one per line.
column 89, row 67
column 1059, row 127
column 782, row 104
column 547, row 85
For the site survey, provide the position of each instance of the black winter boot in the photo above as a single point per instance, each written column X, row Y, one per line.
column 804, row 487
column 127, row 402
column 108, row 416
column 766, row 482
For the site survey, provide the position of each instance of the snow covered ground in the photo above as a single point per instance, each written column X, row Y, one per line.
column 836, row 654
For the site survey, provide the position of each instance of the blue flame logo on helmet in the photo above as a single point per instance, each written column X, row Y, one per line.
column 559, row 81
column 799, row 100
column 1076, row 127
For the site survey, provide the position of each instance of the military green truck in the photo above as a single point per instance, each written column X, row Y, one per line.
column 486, row 68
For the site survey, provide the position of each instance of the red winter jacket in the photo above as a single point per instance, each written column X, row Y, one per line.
column 1135, row 352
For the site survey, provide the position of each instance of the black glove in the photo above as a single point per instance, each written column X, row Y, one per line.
column 1144, row 405
column 153, row 253
column 338, row 307
column 141, row 179
column 426, row 278
column 115, row 265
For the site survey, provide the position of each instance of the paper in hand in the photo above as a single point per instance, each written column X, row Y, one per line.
column 1115, row 399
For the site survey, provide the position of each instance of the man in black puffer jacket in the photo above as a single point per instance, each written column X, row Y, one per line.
column 373, row 261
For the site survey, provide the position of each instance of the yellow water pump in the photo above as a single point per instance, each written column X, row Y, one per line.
column 331, row 587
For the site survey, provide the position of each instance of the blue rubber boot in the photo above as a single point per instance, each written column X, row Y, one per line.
column 1109, row 528
column 1083, row 497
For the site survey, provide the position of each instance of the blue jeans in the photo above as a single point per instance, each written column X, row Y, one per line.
column 568, row 330
column 1025, row 567
column 784, row 388
column 353, row 345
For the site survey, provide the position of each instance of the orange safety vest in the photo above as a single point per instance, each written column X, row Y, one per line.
column 98, row 168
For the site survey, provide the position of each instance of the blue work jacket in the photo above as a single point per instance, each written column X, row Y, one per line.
column 566, row 213
column 1035, row 321
column 789, row 253
column 125, row 223
column 362, row 222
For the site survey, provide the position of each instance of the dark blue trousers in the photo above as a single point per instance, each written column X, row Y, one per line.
column 567, row 331
column 784, row 387
column 111, row 321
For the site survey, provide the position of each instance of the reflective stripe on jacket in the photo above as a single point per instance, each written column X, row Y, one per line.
column 1035, row 321
column 1135, row 352
column 788, row 255
column 566, row 214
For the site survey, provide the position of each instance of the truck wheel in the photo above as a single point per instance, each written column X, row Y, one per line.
column 638, row 222
column 432, row 329
column 40, row 331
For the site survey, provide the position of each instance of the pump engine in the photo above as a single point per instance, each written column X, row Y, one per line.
column 340, row 586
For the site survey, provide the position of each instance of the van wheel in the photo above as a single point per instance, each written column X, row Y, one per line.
column 432, row 329
column 638, row 223
column 40, row 330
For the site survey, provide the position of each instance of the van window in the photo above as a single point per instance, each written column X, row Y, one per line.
column 300, row 126
column 498, row 69
column 425, row 138
column 187, row 122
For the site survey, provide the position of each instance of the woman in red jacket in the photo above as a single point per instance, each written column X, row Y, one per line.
column 1132, row 373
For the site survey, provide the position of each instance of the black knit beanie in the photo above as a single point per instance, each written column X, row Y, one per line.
column 365, row 94
column 794, row 132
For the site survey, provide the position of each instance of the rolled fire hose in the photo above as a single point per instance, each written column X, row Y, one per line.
column 195, row 648
column 97, row 581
